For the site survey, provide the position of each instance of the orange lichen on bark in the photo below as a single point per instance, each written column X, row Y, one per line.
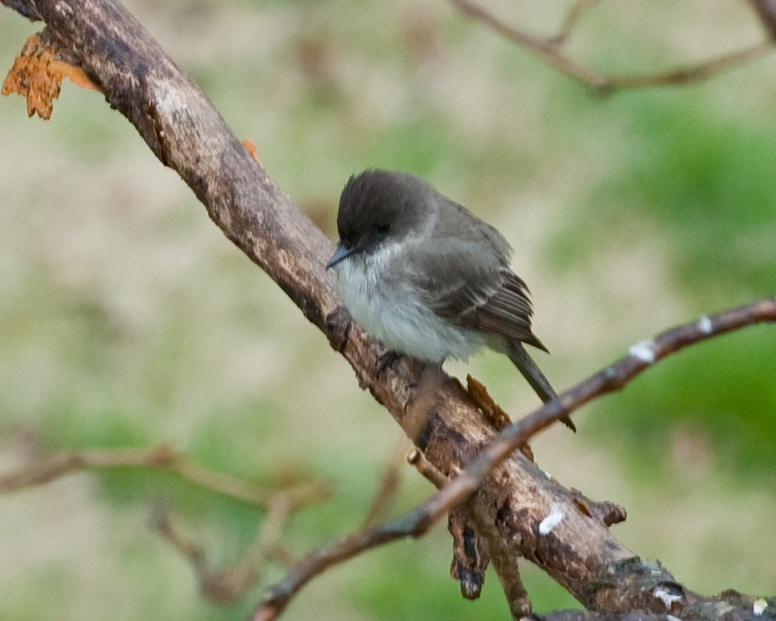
column 250, row 146
column 37, row 76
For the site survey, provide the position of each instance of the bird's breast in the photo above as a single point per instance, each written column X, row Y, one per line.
column 380, row 296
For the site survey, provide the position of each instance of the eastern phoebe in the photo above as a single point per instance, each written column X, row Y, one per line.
column 427, row 278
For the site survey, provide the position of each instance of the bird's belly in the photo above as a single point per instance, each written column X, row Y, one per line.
column 392, row 312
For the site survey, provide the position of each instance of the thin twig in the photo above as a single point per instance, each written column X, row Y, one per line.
column 389, row 485
column 694, row 73
column 178, row 537
column 766, row 11
column 416, row 522
column 230, row 583
column 573, row 16
column 164, row 458
column 547, row 51
column 539, row 47
column 416, row 458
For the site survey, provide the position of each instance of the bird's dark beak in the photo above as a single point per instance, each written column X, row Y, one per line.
column 340, row 254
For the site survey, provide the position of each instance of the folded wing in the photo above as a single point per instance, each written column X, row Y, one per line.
column 471, row 286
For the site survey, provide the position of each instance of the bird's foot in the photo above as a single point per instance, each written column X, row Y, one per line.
column 387, row 360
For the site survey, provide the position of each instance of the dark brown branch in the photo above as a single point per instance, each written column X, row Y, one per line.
column 161, row 458
column 419, row 520
column 547, row 51
column 608, row 512
column 470, row 554
column 508, row 574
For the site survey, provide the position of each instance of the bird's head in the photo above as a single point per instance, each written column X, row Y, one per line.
column 377, row 206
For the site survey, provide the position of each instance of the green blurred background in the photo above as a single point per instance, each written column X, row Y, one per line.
column 128, row 320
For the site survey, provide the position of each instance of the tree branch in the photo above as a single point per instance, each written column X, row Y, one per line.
column 187, row 134
column 416, row 523
column 766, row 11
column 547, row 51
column 388, row 487
column 230, row 583
column 575, row 13
column 162, row 458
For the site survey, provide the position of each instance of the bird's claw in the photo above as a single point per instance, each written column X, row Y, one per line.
column 386, row 360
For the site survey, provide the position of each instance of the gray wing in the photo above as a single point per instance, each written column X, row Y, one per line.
column 470, row 284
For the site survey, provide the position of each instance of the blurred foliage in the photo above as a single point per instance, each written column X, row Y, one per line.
column 128, row 320
column 705, row 183
column 706, row 180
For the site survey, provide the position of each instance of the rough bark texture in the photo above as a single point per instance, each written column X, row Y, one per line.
column 187, row 134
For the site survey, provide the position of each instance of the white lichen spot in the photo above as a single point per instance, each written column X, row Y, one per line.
column 672, row 618
column 704, row 325
column 667, row 598
column 548, row 475
column 64, row 9
column 644, row 351
column 554, row 518
column 161, row 134
column 721, row 609
column 169, row 103
column 759, row 606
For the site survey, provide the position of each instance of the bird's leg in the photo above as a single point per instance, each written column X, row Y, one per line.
column 420, row 404
column 386, row 360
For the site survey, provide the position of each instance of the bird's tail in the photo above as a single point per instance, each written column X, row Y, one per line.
column 534, row 376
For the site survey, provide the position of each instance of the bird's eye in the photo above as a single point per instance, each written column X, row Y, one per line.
column 382, row 229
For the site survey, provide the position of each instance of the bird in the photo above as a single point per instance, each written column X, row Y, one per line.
column 427, row 278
